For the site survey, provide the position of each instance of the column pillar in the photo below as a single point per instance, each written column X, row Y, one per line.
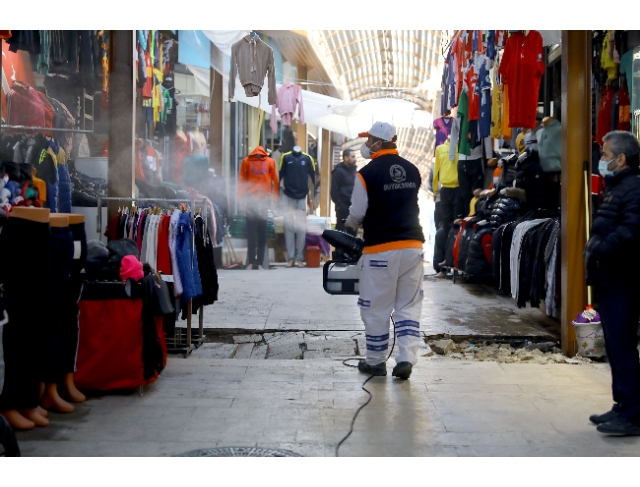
column 216, row 129
column 122, row 115
column 325, row 174
column 576, row 151
column 301, row 136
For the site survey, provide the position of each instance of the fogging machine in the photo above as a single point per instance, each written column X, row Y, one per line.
column 342, row 274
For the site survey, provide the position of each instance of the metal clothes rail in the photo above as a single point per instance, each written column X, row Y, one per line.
column 48, row 129
column 184, row 343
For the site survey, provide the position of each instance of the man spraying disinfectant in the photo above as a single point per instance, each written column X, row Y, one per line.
column 385, row 203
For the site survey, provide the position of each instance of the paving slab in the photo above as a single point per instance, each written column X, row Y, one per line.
column 448, row 408
column 285, row 301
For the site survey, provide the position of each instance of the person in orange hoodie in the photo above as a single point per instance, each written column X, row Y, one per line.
column 257, row 184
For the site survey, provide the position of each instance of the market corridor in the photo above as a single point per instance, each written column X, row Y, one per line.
column 449, row 407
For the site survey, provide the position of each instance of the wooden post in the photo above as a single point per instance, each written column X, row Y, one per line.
column 325, row 174
column 301, row 138
column 216, row 128
column 122, row 115
column 576, row 150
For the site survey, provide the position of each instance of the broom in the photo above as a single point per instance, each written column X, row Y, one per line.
column 589, row 315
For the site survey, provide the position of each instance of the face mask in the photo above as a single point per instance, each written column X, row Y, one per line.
column 603, row 167
column 364, row 152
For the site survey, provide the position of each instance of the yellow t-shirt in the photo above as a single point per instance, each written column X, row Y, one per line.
column 607, row 63
column 444, row 170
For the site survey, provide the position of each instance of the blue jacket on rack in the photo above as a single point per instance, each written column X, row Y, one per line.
column 64, row 188
column 189, row 274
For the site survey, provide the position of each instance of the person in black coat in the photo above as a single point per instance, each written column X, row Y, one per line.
column 613, row 267
column 342, row 180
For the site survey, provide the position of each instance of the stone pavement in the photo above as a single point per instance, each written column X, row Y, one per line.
column 447, row 408
column 302, row 398
column 293, row 300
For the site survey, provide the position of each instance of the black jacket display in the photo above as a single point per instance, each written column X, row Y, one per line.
column 342, row 180
column 611, row 254
column 295, row 171
column 529, row 176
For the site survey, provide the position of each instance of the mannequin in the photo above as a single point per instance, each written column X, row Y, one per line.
column 76, row 223
column 295, row 170
column 198, row 141
column 30, row 416
column 51, row 399
column 182, row 149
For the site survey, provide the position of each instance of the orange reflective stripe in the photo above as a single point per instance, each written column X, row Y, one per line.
column 364, row 185
column 397, row 245
column 384, row 152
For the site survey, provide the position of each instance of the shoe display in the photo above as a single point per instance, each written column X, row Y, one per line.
column 603, row 418
column 402, row 370
column 378, row 369
column 620, row 426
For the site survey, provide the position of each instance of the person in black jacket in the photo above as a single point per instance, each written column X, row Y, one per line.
column 342, row 179
column 613, row 267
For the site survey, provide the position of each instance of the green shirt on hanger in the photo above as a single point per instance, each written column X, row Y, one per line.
column 463, row 113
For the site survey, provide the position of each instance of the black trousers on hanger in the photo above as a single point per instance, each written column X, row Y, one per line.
column 26, row 279
column 470, row 178
column 70, row 314
column 61, row 255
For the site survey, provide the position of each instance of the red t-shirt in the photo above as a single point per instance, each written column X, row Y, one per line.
column 604, row 114
column 474, row 99
column 522, row 68
column 147, row 89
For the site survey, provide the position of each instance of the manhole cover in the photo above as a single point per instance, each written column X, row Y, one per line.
column 239, row 451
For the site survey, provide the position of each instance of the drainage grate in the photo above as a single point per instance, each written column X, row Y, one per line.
column 239, row 451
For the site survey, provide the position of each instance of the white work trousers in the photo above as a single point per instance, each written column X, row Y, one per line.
column 295, row 226
column 391, row 282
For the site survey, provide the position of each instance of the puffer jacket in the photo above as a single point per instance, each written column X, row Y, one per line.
column 451, row 240
column 611, row 254
column 529, row 176
column 479, row 253
column 466, row 234
column 505, row 210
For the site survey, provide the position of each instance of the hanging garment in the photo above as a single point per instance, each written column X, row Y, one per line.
column 521, row 69
column 442, row 126
column 604, row 114
column 173, row 238
column 288, row 97
column 24, row 106
column 252, row 60
column 187, row 259
column 164, row 254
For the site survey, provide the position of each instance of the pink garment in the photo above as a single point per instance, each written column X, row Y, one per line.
column 288, row 96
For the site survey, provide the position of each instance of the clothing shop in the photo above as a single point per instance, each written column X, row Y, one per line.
column 115, row 293
column 518, row 217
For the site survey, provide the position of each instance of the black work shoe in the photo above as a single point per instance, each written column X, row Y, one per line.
column 603, row 418
column 378, row 369
column 402, row 370
column 620, row 426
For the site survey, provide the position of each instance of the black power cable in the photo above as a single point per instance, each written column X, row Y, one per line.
column 353, row 421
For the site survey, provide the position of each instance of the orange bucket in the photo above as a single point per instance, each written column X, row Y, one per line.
column 313, row 256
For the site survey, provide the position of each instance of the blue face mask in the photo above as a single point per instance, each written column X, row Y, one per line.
column 603, row 167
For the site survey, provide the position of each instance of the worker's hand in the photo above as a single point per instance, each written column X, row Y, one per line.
column 352, row 222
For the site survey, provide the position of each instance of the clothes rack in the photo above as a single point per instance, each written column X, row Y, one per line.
column 48, row 129
column 187, row 342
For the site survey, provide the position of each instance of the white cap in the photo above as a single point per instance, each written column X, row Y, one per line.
column 381, row 130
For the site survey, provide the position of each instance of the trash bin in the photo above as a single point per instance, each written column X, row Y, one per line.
column 313, row 256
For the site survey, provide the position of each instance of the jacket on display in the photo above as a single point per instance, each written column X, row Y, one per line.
column 342, row 179
column 295, row 171
column 529, row 176
column 187, row 259
column 258, row 176
column 611, row 254
column 479, row 253
column 550, row 147
column 252, row 60
column 289, row 96
column 24, row 106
